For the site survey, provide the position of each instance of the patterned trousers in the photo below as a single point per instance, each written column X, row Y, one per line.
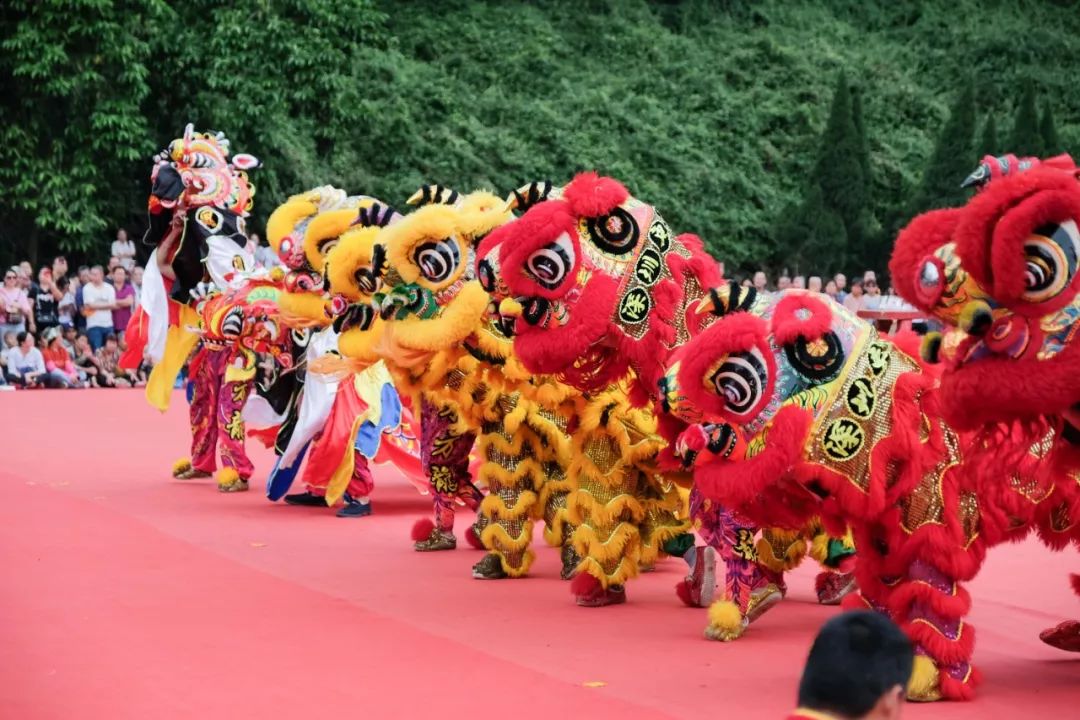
column 217, row 423
column 444, row 454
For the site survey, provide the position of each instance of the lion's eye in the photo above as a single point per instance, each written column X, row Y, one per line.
column 550, row 266
column 438, row 260
column 1050, row 256
column 616, row 233
column 741, row 380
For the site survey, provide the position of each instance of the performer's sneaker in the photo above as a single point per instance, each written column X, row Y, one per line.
column 762, row 600
column 832, row 586
column 306, row 498
column 570, row 561
column 612, row 595
column 1065, row 636
column 701, row 581
column 489, row 568
column 437, row 540
column 354, row 508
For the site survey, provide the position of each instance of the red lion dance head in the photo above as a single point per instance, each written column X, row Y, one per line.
column 598, row 282
column 1003, row 274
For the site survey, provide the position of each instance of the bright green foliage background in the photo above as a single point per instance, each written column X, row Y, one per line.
column 718, row 112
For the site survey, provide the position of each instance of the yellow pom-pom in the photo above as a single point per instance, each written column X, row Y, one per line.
column 923, row 685
column 726, row 622
column 181, row 465
column 229, row 480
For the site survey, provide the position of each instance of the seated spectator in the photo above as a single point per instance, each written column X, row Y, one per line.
column 108, row 358
column 114, row 262
column 86, row 362
column 15, row 310
column 761, row 280
column 859, row 667
column 783, row 283
column 870, row 285
column 58, row 364
column 67, row 338
column 799, row 282
column 10, row 343
column 841, row 286
column 25, row 365
column 814, row 284
column 854, row 300
column 832, row 291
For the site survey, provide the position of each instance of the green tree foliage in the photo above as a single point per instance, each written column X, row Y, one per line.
column 1051, row 144
column 712, row 110
column 952, row 159
column 73, row 78
column 988, row 141
column 1026, row 138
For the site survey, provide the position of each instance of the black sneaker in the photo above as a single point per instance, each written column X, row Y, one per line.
column 305, row 498
column 354, row 508
column 489, row 568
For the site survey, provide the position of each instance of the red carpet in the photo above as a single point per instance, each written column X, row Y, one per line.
column 126, row 594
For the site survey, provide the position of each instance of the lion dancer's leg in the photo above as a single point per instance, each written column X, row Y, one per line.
column 444, row 452
column 749, row 588
column 203, row 414
column 236, row 466
column 1058, row 529
column 665, row 517
column 358, row 493
column 607, row 515
column 512, row 474
column 554, row 502
column 837, row 559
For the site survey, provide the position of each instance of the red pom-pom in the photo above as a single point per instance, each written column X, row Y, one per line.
column 800, row 315
column 682, row 589
column 585, row 585
column 422, row 529
column 473, row 539
column 590, row 195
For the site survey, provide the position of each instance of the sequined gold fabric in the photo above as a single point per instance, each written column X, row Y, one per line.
column 925, row 504
column 845, row 435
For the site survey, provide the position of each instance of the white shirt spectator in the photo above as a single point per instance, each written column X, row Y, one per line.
column 124, row 251
column 104, row 294
column 20, row 363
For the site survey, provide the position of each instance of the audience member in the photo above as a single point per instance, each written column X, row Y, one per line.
column 108, row 357
column 136, row 282
column 65, row 309
column 86, row 362
column 841, row 286
column 813, row 284
column 831, row 291
column 125, row 301
column 123, row 250
column 854, row 300
column 858, row 667
column 17, row 314
column 59, row 367
column 59, row 267
column 761, row 280
column 82, row 278
column 799, row 282
column 747, row 283
column 783, row 283
column 870, row 286
column 46, row 299
column 114, row 262
column 25, row 364
column 67, row 337
column 99, row 299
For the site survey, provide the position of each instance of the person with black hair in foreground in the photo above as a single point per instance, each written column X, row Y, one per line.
column 859, row 667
